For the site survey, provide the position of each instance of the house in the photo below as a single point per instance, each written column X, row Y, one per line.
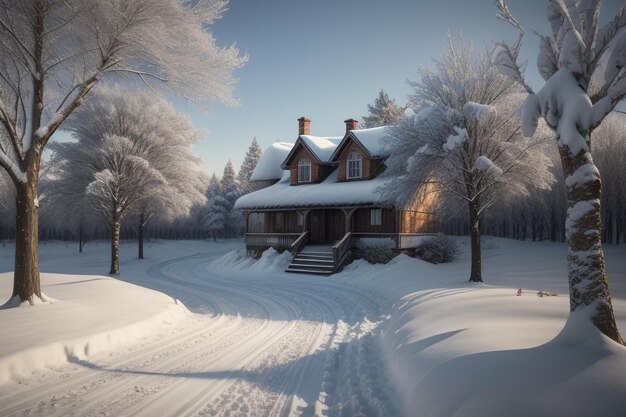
column 322, row 194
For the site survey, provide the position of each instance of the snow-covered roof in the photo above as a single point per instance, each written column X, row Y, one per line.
column 268, row 167
column 324, row 194
column 371, row 139
column 368, row 139
column 322, row 147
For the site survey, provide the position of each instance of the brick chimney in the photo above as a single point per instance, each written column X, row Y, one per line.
column 351, row 124
column 304, row 126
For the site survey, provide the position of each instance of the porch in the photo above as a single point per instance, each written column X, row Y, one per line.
column 336, row 229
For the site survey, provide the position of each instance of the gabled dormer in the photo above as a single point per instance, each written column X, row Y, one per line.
column 309, row 159
column 360, row 154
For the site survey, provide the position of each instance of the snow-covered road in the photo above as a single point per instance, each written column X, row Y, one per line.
column 256, row 344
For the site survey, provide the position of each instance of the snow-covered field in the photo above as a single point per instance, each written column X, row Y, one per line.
column 405, row 339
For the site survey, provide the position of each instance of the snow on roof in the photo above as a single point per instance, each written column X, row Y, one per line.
column 371, row 139
column 268, row 167
column 322, row 147
column 324, row 194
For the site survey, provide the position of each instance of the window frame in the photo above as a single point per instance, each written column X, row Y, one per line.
column 304, row 163
column 354, row 162
column 376, row 217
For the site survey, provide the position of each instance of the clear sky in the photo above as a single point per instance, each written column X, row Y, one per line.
column 327, row 59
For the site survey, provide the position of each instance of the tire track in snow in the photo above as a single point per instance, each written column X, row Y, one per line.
column 270, row 345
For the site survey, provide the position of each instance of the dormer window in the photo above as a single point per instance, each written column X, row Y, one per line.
column 304, row 170
column 354, row 165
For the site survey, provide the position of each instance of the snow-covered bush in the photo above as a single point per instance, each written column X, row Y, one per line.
column 437, row 249
column 375, row 253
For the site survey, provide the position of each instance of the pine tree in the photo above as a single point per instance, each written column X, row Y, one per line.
column 247, row 167
column 231, row 191
column 384, row 112
column 216, row 209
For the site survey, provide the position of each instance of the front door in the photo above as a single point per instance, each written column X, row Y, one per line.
column 335, row 225
column 317, row 231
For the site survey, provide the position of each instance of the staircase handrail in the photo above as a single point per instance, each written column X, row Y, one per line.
column 297, row 244
column 340, row 250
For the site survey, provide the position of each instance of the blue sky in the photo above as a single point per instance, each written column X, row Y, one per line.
column 328, row 59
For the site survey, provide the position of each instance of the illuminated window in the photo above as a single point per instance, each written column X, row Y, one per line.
column 353, row 169
column 304, row 170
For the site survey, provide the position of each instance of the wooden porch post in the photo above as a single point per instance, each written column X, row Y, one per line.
column 347, row 213
column 305, row 214
column 247, row 215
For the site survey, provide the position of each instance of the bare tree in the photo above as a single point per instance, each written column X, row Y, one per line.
column 466, row 142
column 52, row 53
column 583, row 65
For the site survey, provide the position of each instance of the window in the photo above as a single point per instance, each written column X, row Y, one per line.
column 353, row 168
column 304, row 170
column 376, row 217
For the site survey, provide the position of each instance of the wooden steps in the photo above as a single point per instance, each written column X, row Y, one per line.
column 316, row 260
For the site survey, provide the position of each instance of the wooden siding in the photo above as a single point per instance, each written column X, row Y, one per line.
column 416, row 222
column 282, row 222
column 361, row 221
column 318, row 172
column 342, row 160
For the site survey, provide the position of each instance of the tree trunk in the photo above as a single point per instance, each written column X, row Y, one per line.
column 474, row 220
column 115, row 246
column 588, row 281
column 140, row 234
column 26, row 282
column 553, row 226
column 81, row 234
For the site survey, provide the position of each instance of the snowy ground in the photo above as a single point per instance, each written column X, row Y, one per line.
column 372, row 341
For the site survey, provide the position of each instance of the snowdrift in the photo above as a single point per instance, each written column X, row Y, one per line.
column 453, row 348
column 87, row 315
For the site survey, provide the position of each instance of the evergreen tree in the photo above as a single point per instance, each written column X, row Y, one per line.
column 216, row 209
column 247, row 167
column 230, row 191
column 384, row 112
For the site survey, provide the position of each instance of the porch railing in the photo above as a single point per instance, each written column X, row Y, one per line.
column 403, row 240
column 341, row 250
column 300, row 242
column 275, row 240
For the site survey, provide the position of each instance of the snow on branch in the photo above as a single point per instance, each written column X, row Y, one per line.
column 14, row 171
column 564, row 106
column 486, row 165
column 455, row 140
column 478, row 111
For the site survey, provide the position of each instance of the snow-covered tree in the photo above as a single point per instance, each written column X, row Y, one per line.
column 383, row 112
column 216, row 212
column 231, row 191
column 114, row 133
column 582, row 63
column 247, row 167
column 160, row 135
column 465, row 143
column 610, row 158
column 54, row 52
column 64, row 204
